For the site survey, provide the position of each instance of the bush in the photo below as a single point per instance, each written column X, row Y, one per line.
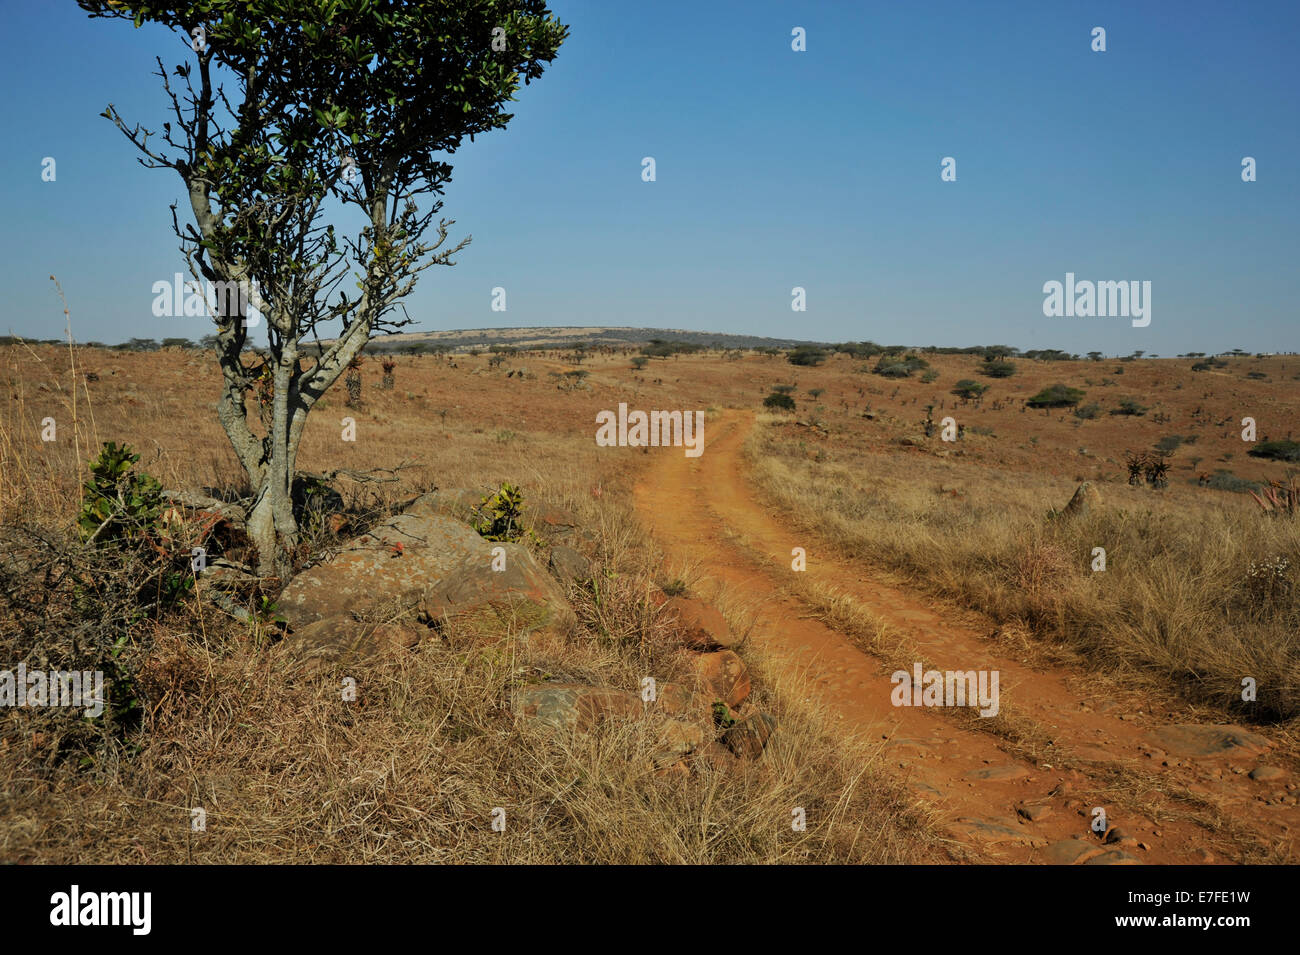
column 1127, row 406
column 1088, row 412
column 806, row 355
column 777, row 401
column 997, row 368
column 498, row 516
column 1056, row 396
column 1224, row 480
column 1277, row 451
column 119, row 504
column 1169, row 443
column 967, row 388
column 900, row 367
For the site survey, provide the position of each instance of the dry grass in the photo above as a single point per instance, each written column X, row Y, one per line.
column 287, row 771
column 1177, row 605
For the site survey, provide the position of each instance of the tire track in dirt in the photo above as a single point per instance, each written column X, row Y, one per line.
column 702, row 510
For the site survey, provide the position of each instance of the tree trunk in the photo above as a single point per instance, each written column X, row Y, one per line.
column 271, row 524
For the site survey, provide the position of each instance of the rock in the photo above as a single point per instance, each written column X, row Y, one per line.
column 700, row 625
column 342, row 638
column 568, row 564
column 1198, row 741
column 715, row 756
column 1265, row 773
column 1115, row 836
column 723, row 674
column 574, row 707
column 991, row 831
column 677, row 700
column 1086, row 497
column 457, row 501
column 441, row 566
column 1070, row 852
column 531, row 595
column 677, row 739
column 748, row 738
column 998, row 773
column 1034, row 813
column 1114, row 857
column 550, row 521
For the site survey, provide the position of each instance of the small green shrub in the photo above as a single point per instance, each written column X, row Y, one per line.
column 498, row 516
column 968, row 388
column 778, row 402
column 119, row 504
column 1088, row 412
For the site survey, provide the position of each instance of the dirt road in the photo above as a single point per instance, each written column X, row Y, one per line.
column 1175, row 792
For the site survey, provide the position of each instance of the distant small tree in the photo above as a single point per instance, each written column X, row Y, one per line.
column 639, row 361
column 966, row 388
column 1127, row 406
column 998, row 368
column 1056, row 396
column 806, row 355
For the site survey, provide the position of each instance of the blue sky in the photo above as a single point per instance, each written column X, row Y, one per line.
column 775, row 169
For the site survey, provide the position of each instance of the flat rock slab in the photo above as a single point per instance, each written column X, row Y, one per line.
column 429, row 561
column 1114, row 857
column 992, row 832
column 1071, row 852
column 998, row 773
column 1196, row 741
column 370, row 570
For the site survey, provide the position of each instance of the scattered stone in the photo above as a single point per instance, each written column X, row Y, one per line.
column 342, row 638
column 700, row 625
column 1265, row 773
column 998, row 773
column 677, row 739
column 677, row 700
column 715, row 756
column 1118, row 837
column 1199, row 741
column 748, row 738
column 1070, row 852
column 722, row 674
column 568, row 564
column 1114, row 857
column 992, row 832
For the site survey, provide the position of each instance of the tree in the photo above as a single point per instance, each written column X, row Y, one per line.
column 345, row 102
column 969, row 389
column 1056, row 396
column 998, row 368
column 806, row 355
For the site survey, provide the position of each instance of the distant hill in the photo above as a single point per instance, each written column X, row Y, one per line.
column 563, row 337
